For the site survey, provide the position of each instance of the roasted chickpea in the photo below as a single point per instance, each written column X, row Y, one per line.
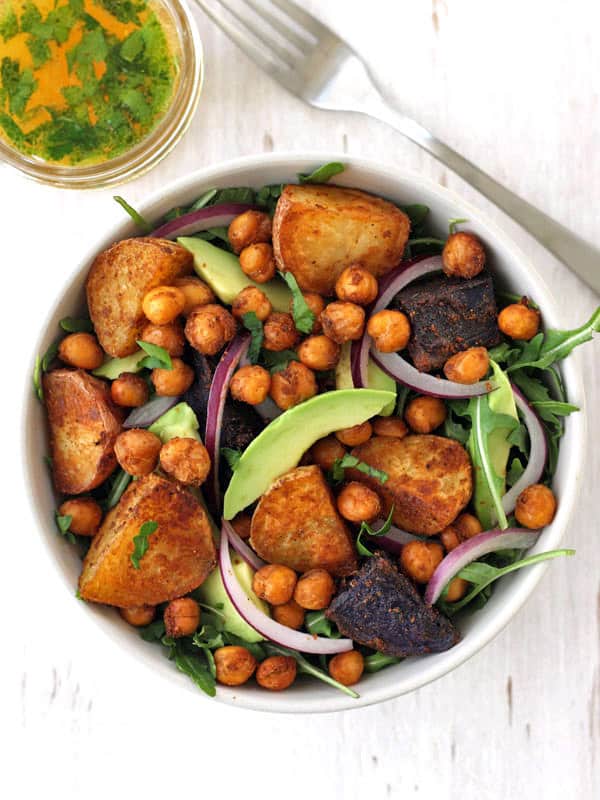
column 289, row 614
column 357, row 503
column 326, row 451
column 186, row 459
column 319, row 352
column 519, row 321
column 235, row 665
column 389, row 426
column 293, row 385
column 129, row 390
column 138, row 616
column 450, row 538
column 209, row 328
column 536, row 506
column 468, row 366
column 425, row 414
column 356, row 285
column 343, row 322
column 347, row 668
column 276, row 673
column 357, row 434
column 467, row 526
column 251, row 299
column 163, row 304
column 316, row 304
column 196, row 293
column 182, row 617
column 241, row 525
column 81, row 350
column 248, row 228
column 314, row 589
column 279, row 332
column 171, row 382
column 170, row 337
column 390, row 330
column 463, row 255
column 275, row 583
column 419, row 559
column 85, row 513
column 258, row 263
column 250, row 384
column 457, row 589
column 137, row 451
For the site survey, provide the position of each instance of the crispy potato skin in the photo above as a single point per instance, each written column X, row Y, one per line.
column 430, row 479
column 180, row 556
column 84, row 424
column 296, row 524
column 117, row 282
column 319, row 230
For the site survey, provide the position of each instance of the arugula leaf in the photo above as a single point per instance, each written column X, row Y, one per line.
column 252, row 323
column 267, row 196
column 452, row 223
column 192, row 666
column 322, row 174
column 63, row 523
column 75, row 325
column 317, row 623
column 402, row 397
column 153, row 632
column 120, row 482
column 549, row 409
column 304, row 319
column 366, row 529
column 508, row 298
column 453, row 427
column 219, row 235
column 141, row 542
column 37, row 379
column 231, row 456
column 142, row 223
column 429, row 241
column 417, row 214
column 377, row 661
column 234, row 194
column 306, row 668
column 257, row 649
column 157, row 358
column 203, row 200
column 348, row 461
column 514, row 472
column 276, row 361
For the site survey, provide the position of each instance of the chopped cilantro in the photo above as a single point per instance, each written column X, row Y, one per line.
column 156, row 358
column 63, row 523
column 304, row 319
column 141, row 542
column 231, row 456
column 252, row 323
column 348, row 461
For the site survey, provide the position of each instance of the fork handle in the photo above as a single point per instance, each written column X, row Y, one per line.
column 581, row 257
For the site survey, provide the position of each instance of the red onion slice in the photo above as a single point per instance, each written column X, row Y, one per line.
column 538, row 452
column 359, row 362
column 196, row 221
column 241, row 548
column 472, row 549
column 267, row 627
column 145, row 415
column 394, row 540
column 214, row 409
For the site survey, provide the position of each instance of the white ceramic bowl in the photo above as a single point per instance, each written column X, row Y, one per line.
column 510, row 268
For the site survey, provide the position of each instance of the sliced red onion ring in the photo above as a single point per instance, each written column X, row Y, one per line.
column 394, row 540
column 538, row 452
column 145, row 415
column 396, row 366
column 267, row 627
column 196, row 221
column 241, row 548
column 268, row 410
column 472, row 549
column 359, row 362
column 214, row 409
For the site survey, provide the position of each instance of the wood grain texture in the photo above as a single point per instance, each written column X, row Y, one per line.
column 514, row 87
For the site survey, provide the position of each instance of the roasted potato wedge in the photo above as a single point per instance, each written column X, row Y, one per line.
column 181, row 551
column 318, row 231
column 84, row 424
column 296, row 524
column 118, row 280
column 429, row 479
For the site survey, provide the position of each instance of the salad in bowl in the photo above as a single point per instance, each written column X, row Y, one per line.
column 299, row 434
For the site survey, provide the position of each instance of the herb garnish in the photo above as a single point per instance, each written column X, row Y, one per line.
column 139, row 220
column 377, row 661
column 276, row 361
column 63, row 523
column 367, row 530
column 304, row 319
column 323, row 173
column 157, row 358
column 76, row 325
column 347, row 461
column 119, row 482
column 252, row 323
column 231, row 456
column 141, row 542
column 317, row 623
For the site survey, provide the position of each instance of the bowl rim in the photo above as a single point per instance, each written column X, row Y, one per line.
column 527, row 580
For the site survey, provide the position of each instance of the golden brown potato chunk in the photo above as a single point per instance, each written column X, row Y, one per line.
column 429, row 479
column 119, row 279
column 180, row 555
column 296, row 524
column 319, row 230
column 84, row 424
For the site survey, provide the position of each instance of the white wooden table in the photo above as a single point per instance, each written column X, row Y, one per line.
column 512, row 85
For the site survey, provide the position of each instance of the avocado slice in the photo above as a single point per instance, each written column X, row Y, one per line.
column 377, row 378
column 177, row 421
column 213, row 593
column 280, row 446
column 222, row 271
column 113, row 367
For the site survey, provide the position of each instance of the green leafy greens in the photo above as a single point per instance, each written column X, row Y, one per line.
column 322, row 174
column 139, row 220
column 252, row 323
column 63, row 523
column 141, row 542
column 306, row 668
column 351, row 462
column 304, row 319
column 76, row 325
column 367, row 530
column 231, row 456
column 156, row 358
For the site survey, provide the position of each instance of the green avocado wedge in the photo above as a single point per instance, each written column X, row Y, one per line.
column 222, row 271
column 377, row 378
column 280, row 446
column 113, row 367
column 177, row 421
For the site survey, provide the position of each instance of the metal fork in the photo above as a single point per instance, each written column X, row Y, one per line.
column 312, row 62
